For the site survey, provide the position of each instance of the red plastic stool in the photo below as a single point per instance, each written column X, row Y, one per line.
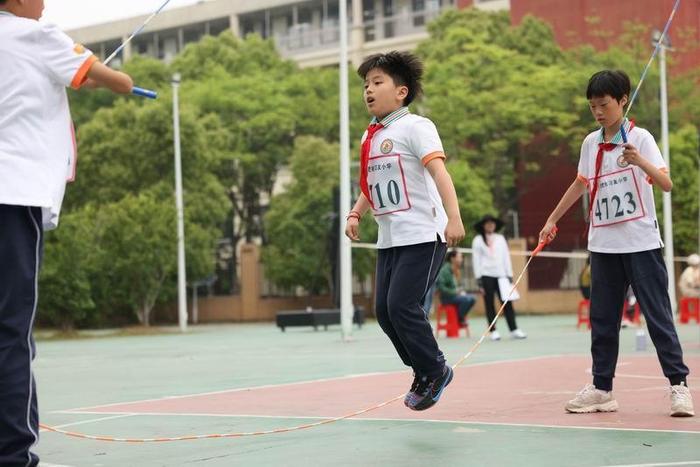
column 448, row 321
column 584, row 307
column 689, row 308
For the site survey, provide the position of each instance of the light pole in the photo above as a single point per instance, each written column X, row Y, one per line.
column 668, row 218
column 181, row 278
column 346, row 306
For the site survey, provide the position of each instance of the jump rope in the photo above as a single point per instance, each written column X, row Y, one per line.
column 328, row 421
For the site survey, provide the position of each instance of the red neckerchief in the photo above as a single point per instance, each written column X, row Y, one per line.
column 364, row 159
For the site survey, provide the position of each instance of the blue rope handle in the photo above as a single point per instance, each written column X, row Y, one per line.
column 147, row 93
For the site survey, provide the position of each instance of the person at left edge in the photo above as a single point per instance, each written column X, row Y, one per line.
column 404, row 181
column 37, row 158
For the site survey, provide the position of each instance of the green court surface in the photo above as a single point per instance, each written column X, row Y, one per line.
column 81, row 380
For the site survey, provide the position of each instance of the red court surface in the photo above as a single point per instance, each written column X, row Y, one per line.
column 521, row 392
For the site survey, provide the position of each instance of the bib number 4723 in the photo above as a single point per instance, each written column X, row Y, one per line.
column 617, row 200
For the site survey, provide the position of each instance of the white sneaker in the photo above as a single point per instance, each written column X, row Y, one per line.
column 495, row 336
column 681, row 401
column 518, row 334
column 590, row 400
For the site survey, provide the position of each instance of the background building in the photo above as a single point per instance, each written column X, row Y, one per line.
column 305, row 31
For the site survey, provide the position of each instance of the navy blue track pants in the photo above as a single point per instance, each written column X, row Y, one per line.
column 21, row 242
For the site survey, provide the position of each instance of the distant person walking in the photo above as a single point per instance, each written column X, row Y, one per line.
column 491, row 263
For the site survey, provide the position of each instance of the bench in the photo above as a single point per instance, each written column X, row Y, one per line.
column 316, row 317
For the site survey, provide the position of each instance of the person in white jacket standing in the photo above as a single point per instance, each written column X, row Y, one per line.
column 491, row 262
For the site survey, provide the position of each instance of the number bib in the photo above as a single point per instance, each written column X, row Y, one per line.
column 387, row 184
column 617, row 200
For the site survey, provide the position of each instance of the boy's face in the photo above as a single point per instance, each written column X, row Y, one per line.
column 607, row 110
column 32, row 9
column 382, row 95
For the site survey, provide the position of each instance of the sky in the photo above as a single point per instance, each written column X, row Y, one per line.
column 71, row 14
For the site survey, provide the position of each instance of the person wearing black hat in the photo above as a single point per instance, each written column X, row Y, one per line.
column 491, row 262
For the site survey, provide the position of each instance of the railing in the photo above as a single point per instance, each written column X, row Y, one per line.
column 301, row 38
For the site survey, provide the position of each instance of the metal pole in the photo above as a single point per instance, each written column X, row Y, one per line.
column 181, row 278
column 668, row 221
column 346, row 306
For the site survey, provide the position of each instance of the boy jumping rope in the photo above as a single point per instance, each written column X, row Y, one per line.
column 404, row 181
column 37, row 158
column 624, row 241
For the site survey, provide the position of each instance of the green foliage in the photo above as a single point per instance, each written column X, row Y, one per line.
column 66, row 285
column 490, row 88
column 685, row 173
column 300, row 219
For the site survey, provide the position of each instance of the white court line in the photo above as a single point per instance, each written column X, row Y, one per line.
column 94, row 420
column 365, row 419
column 295, row 383
column 657, row 465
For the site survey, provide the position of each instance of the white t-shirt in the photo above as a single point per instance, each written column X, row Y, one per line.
column 407, row 204
column 37, row 142
column 493, row 259
column 623, row 217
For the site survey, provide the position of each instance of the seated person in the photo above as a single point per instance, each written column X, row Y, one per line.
column 689, row 282
column 446, row 284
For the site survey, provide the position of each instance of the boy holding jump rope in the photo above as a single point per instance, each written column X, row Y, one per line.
column 404, row 181
column 37, row 158
column 619, row 163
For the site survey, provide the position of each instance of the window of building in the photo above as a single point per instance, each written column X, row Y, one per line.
column 388, row 11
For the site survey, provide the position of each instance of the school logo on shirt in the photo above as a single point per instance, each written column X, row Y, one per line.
column 621, row 162
column 79, row 49
column 387, row 146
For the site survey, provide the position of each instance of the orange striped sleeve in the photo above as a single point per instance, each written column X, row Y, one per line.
column 662, row 169
column 432, row 156
column 81, row 75
column 582, row 179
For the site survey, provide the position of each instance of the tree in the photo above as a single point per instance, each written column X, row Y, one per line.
column 65, row 283
column 684, row 149
column 491, row 87
column 300, row 219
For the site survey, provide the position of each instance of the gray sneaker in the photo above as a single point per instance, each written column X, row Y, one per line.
column 590, row 400
column 681, row 401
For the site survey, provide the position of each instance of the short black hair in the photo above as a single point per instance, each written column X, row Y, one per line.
column 403, row 67
column 613, row 83
column 450, row 254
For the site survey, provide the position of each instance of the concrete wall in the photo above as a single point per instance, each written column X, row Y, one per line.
column 250, row 306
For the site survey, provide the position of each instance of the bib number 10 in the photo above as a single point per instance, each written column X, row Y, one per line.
column 383, row 196
column 387, row 189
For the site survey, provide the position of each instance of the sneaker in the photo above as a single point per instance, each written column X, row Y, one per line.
column 681, row 401
column 495, row 336
column 411, row 394
column 429, row 391
column 590, row 400
column 518, row 334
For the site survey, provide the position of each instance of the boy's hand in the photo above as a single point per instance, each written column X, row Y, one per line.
column 548, row 232
column 631, row 154
column 454, row 232
column 352, row 229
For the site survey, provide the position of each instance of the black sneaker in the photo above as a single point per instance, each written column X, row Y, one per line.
column 411, row 394
column 429, row 391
